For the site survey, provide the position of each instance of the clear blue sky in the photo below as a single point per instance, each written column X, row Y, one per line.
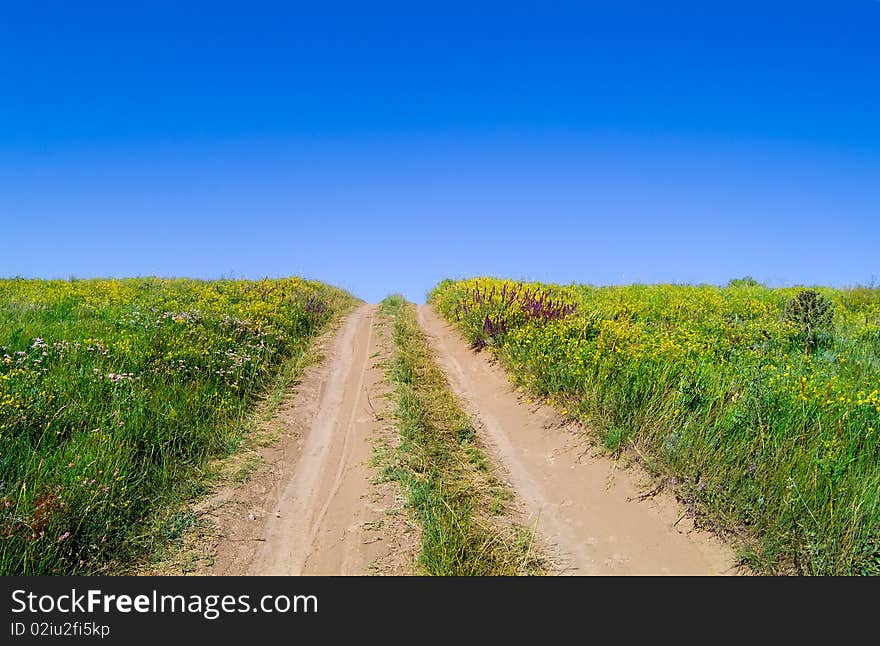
column 383, row 147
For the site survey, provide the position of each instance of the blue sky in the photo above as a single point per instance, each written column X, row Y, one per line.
column 383, row 147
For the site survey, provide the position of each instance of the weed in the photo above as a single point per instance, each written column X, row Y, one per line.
column 713, row 387
column 114, row 394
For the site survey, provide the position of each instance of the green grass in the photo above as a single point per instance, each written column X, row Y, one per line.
column 114, row 396
column 714, row 387
column 444, row 474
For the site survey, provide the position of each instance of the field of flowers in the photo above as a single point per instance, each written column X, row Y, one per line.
column 767, row 427
column 113, row 391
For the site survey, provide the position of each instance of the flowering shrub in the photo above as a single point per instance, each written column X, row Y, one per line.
column 498, row 308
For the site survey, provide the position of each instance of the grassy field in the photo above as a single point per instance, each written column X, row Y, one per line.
column 762, row 405
column 113, row 393
column 446, row 478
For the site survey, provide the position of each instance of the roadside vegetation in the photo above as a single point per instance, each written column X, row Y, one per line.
column 445, row 476
column 114, row 394
column 762, row 405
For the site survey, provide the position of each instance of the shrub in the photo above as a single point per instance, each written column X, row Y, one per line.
column 812, row 313
column 747, row 281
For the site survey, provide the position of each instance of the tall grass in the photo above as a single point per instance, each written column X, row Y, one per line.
column 767, row 435
column 114, row 392
column 445, row 476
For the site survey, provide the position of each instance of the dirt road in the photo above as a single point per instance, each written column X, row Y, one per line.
column 314, row 506
column 316, row 510
column 587, row 512
column 320, row 513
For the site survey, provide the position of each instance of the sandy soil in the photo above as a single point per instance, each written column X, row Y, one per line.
column 316, row 508
column 592, row 516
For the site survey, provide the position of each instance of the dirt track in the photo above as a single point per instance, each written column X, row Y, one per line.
column 321, row 515
column 587, row 512
column 316, row 510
